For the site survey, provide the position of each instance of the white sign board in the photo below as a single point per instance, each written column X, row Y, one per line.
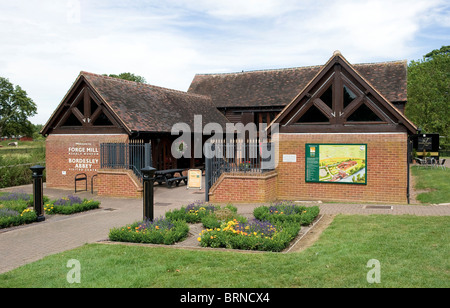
column 289, row 158
column 195, row 179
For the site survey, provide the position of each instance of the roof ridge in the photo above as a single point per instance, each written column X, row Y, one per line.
column 263, row 70
column 144, row 84
column 297, row 68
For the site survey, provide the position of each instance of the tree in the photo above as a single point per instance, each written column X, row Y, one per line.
column 429, row 92
column 129, row 77
column 15, row 109
column 445, row 50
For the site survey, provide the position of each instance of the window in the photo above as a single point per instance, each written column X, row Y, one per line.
column 94, row 106
column 72, row 121
column 313, row 115
column 103, row 120
column 327, row 97
column 349, row 96
column 364, row 114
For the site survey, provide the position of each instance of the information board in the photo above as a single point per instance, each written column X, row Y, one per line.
column 336, row 163
column 194, row 179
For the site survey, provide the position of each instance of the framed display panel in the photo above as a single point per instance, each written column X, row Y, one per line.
column 194, row 179
column 336, row 163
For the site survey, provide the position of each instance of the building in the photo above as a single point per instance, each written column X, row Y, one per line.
column 337, row 103
column 99, row 109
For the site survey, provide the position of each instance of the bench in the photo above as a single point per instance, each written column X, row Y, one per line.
column 177, row 181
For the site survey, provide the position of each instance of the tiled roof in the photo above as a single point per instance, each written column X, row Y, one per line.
column 147, row 108
column 279, row 87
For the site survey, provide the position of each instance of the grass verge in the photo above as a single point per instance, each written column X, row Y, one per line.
column 436, row 181
column 412, row 252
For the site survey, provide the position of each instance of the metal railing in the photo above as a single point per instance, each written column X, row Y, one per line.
column 135, row 156
column 237, row 156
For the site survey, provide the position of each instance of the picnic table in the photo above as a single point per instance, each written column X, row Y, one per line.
column 168, row 177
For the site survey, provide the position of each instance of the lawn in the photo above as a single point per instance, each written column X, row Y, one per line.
column 413, row 252
column 436, row 181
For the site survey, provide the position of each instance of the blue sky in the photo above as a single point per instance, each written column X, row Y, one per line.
column 46, row 43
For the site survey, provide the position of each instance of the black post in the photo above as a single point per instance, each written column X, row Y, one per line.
column 38, row 192
column 208, row 170
column 149, row 179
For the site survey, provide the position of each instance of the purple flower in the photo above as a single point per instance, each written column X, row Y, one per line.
column 287, row 208
column 70, row 200
column 195, row 206
column 15, row 196
column 262, row 228
column 8, row 213
column 157, row 224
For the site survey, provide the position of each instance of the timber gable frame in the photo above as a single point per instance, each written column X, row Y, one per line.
column 80, row 110
column 354, row 106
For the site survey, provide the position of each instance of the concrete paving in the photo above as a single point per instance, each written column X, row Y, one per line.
column 26, row 244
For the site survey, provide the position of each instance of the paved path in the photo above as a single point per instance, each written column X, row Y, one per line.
column 26, row 244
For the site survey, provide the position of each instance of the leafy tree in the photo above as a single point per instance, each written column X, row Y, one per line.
column 429, row 92
column 15, row 109
column 129, row 77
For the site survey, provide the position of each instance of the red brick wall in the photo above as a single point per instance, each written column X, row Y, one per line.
column 386, row 174
column 386, row 169
column 69, row 155
column 118, row 183
column 237, row 188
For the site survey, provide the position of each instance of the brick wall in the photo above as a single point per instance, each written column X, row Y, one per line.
column 386, row 173
column 386, row 169
column 69, row 155
column 119, row 183
column 239, row 188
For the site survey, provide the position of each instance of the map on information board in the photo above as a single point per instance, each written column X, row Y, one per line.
column 336, row 163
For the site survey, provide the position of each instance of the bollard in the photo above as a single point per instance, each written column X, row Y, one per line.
column 38, row 192
column 149, row 180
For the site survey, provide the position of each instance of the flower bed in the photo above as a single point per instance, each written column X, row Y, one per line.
column 159, row 231
column 224, row 227
column 193, row 213
column 70, row 205
column 273, row 228
column 287, row 212
column 253, row 235
column 14, row 209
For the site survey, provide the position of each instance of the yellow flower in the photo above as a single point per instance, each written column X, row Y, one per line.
column 199, row 239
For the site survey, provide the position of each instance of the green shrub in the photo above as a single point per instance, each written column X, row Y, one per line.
column 15, row 209
column 11, row 218
column 287, row 212
column 219, row 216
column 193, row 213
column 159, row 231
column 253, row 235
column 70, row 205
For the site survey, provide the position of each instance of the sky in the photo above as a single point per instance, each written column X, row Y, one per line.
column 46, row 43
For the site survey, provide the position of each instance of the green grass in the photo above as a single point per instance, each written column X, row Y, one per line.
column 436, row 180
column 413, row 252
column 26, row 155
